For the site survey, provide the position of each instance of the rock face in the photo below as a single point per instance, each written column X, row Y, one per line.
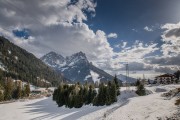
column 76, row 67
column 54, row 60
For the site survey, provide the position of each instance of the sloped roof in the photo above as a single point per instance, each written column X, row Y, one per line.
column 166, row 75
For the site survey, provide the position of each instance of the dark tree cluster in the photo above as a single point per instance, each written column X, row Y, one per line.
column 13, row 90
column 78, row 95
column 140, row 88
column 74, row 95
column 106, row 94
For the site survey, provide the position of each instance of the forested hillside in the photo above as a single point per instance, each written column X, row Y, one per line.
column 17, row 63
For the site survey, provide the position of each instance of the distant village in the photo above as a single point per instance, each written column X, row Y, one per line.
column 38, row 92
column 160, row 79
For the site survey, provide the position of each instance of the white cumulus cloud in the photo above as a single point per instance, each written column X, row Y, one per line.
column 148, row 29
column 112, row 35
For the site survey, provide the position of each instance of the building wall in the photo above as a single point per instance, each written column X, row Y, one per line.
column 164, row 80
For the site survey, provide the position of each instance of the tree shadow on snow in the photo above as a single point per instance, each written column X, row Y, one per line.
column 50, row 110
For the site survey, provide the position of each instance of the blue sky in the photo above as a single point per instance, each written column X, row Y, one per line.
column 144, row 33
column 125, row 16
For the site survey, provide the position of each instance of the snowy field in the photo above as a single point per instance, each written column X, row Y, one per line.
column 129, row 106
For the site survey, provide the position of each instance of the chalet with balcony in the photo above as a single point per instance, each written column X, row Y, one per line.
column 165, row 79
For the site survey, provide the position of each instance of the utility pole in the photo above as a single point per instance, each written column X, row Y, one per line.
column 144, row 79
column 127, row 76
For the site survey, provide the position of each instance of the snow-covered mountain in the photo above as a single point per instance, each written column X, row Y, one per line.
column 76, row 67
column 54, row 60
column 129, row 79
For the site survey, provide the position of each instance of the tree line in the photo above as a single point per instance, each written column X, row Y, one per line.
column 78, row 95
column 10, row 89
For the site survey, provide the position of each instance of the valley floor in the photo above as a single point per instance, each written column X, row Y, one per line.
column 129, row 107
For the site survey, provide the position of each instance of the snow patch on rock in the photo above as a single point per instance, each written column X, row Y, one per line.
column 88, row 76
column 95, row 76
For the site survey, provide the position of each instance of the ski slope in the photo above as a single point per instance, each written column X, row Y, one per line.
column 129, row 106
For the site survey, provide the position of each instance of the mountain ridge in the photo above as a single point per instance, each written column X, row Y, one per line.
column 77, row 68
column 129, row 79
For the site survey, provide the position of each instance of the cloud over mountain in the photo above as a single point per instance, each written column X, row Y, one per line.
column 55, row 26
column 61, row 26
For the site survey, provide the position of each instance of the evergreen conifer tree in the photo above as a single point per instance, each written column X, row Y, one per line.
column 19, row 92
column 78, row 102
column 8, row 89
column 85, row 94
column 91, row 95
column 55, row 94
column 117, row 85
column 113, row 92
column 101, row 97
column 27, row 89
column 71, row 100
column 60, row 96
column 1, row 96
column 138, row 83
column 1, row 93
column 108, row 94
column 141, row 90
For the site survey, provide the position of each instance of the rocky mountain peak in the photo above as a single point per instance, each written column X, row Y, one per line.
column 77, row 68
column 53, row 55
column 53, row 59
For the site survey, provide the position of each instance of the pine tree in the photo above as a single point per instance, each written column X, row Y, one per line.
column 91, row 95
column 8, row 89
column 78, row 102
column 1, row 93
column 55, row 94
column 19, row 91
column 94, row 94
column 177, row 74
column 1, row 96
column 94, row 101
column 108, row 94
column 113, row 92
column 140, row 90
column 27, row 89
column 66, row 95
column 101, row 97
column 23, row 94
column 59, row 96
column 116, row 82
column 85, row 94
column 138, row 83
column 117, row 85
column 71, row 100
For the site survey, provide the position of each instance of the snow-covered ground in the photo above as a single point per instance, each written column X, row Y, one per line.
column 149, row 107
column 129, row 106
